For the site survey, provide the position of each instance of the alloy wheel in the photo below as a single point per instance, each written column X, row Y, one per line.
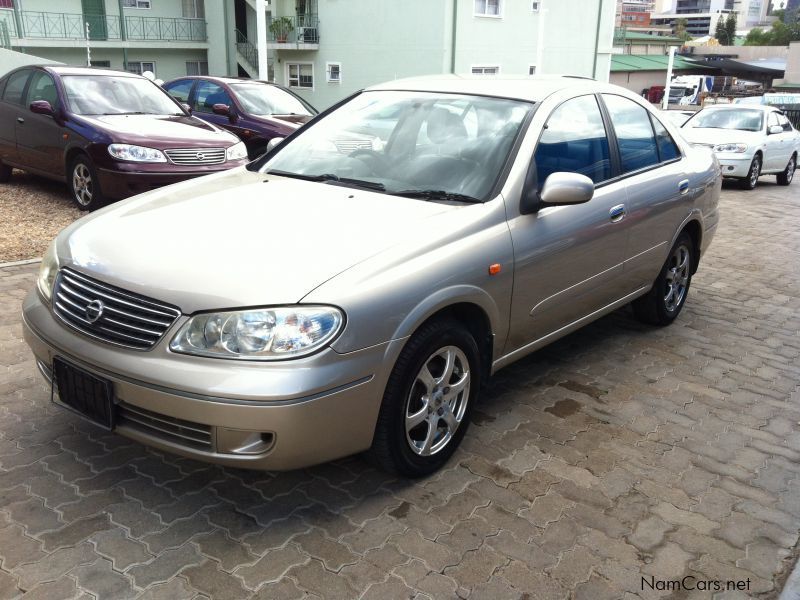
column 790, row 168
column 755, row 171
column 437, row 401
column 677, row 278
column 82, row 184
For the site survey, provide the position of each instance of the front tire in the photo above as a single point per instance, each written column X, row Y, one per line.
column 751, row 180
column 786, row 177
column 663, row 303
column 83, row 184
column 428, row 400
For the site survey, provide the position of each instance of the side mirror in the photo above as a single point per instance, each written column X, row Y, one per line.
column 221, row 109
column 567, row 188
column 42, row 107
column 775, row 129
column 186, row 107
column 274, row 143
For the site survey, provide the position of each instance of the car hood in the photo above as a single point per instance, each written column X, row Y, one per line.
column 233, row 239
column 161, row 131
column 288, row 121
column 708, row 135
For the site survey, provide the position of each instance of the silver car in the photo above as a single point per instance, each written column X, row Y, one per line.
column 324, row 301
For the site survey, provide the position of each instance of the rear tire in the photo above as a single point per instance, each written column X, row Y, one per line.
column 663, row 303
column 751, row 180
column 84, row 185
column 428, row 400
column 5, row 173
column 786, row 177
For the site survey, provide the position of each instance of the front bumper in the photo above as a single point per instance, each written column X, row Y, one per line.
column 273, row 416
column 117, row 184
column 734, row 165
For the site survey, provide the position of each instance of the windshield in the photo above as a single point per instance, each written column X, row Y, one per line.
column 402, row 142
column 743, row 120
column 261, row 99
column 116, row 95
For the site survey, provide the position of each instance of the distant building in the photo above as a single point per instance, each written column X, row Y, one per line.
column 634, row 13
column 702, row 15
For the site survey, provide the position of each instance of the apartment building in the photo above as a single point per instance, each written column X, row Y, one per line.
column 322, row 49
column 633, row 14
column 702, row 15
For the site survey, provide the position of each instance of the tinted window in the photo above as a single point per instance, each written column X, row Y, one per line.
column 208, row 94
column 15, row 87
column 42, row 87
column 574, row 141
column 637, row 144
column 180, row 90
column 667, row 148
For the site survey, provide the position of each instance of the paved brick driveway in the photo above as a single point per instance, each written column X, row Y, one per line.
column 620, row 452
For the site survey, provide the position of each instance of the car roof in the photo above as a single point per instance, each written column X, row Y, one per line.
column 531, row 89
column 743, row 106
column 67, row 70
column 227, row 80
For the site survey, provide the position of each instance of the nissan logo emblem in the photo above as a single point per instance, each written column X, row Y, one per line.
column 201, row 156
column 94, row 310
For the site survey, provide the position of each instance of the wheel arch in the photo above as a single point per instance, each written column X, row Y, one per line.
column 695, row 231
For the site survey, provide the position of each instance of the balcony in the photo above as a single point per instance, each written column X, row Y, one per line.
column 39, row 25
column 295, row 32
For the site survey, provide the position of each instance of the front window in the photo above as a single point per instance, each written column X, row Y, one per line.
column 140, row 67
column 261, row 99
column 413, row 143
column 110, row 95
column 743, row 120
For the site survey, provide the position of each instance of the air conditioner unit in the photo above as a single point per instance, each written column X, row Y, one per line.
column 307, row 35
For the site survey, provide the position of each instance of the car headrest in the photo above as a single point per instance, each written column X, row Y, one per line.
column 444, row 126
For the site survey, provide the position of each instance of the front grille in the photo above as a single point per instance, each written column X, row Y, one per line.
column 178, row 431
column 110, row 314
column 196, row 156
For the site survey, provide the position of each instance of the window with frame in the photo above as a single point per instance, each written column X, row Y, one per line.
column 196, row 67
column 42, row 87
column 207, row 94
column 15, row 85
column 144, row 4
column 334, row 72
column 140, row 67
column 634, row 131
column 193, row 9
column 488, row 8
column 667, row 148
column 574, row 141
column 300, row 75
column 485, row 70
column 784, row 122
column 180, row 90
column 6, row 3
column 535, row 6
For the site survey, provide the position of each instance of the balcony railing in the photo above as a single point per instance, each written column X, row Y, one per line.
column 298, row 29
column 72, row 26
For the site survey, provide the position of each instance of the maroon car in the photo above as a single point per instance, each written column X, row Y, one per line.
column 256, row 111
column 108, row 134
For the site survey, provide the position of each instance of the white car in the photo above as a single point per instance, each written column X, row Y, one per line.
column 749, row 141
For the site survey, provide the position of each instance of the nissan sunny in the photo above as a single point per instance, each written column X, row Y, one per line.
column 327, row 300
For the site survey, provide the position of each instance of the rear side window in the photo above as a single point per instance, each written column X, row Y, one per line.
column 575, row 141
column 667, row 148
column 785, row 123
column 180, row 90
column 15, row 86
column 637, row 143
column 208, row 94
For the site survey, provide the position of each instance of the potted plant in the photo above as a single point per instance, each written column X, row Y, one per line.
column 280, row 27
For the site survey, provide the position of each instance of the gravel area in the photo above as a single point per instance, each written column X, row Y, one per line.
column 32, row 211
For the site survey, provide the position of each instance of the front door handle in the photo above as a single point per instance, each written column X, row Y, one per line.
column 617, row 213
column 20, row 120
column 683, row 186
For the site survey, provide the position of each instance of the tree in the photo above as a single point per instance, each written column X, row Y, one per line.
column 680, row 30
column 781, row 34
column 721, row 33
column 730, row 28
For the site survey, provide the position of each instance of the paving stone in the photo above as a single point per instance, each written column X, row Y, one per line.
column 75, row 532
column 176, row 588
column 313, row 577
column 271, row 566
column 54, row 565
column 214, row 582
column 17, row 548
column 165, row 565
column 103, row 581
column 120, row 549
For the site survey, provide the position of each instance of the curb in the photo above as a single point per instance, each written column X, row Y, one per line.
column 19, row 263
column 791, row 590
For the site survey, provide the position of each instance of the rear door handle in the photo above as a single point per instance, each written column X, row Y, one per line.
column 683, row 186
column 617, row 213
column 20, row 120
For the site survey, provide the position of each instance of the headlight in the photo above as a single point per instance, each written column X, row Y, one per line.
column 236, row 152
column 136, row 153
column 730, row 148
column 259, row 334
column 48, row 271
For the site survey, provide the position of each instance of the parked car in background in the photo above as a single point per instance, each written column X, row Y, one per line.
column 677, row 117
column 749, row 141
column 108, row 134
column 357, row 299
column 256, row 111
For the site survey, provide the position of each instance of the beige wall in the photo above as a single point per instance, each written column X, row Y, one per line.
column 745, row 52
column 792, row 65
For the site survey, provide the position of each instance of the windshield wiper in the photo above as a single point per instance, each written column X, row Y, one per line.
column 438, row 195
column 332, row 178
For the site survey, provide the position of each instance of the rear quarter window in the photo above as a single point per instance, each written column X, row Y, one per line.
column 635, row 136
